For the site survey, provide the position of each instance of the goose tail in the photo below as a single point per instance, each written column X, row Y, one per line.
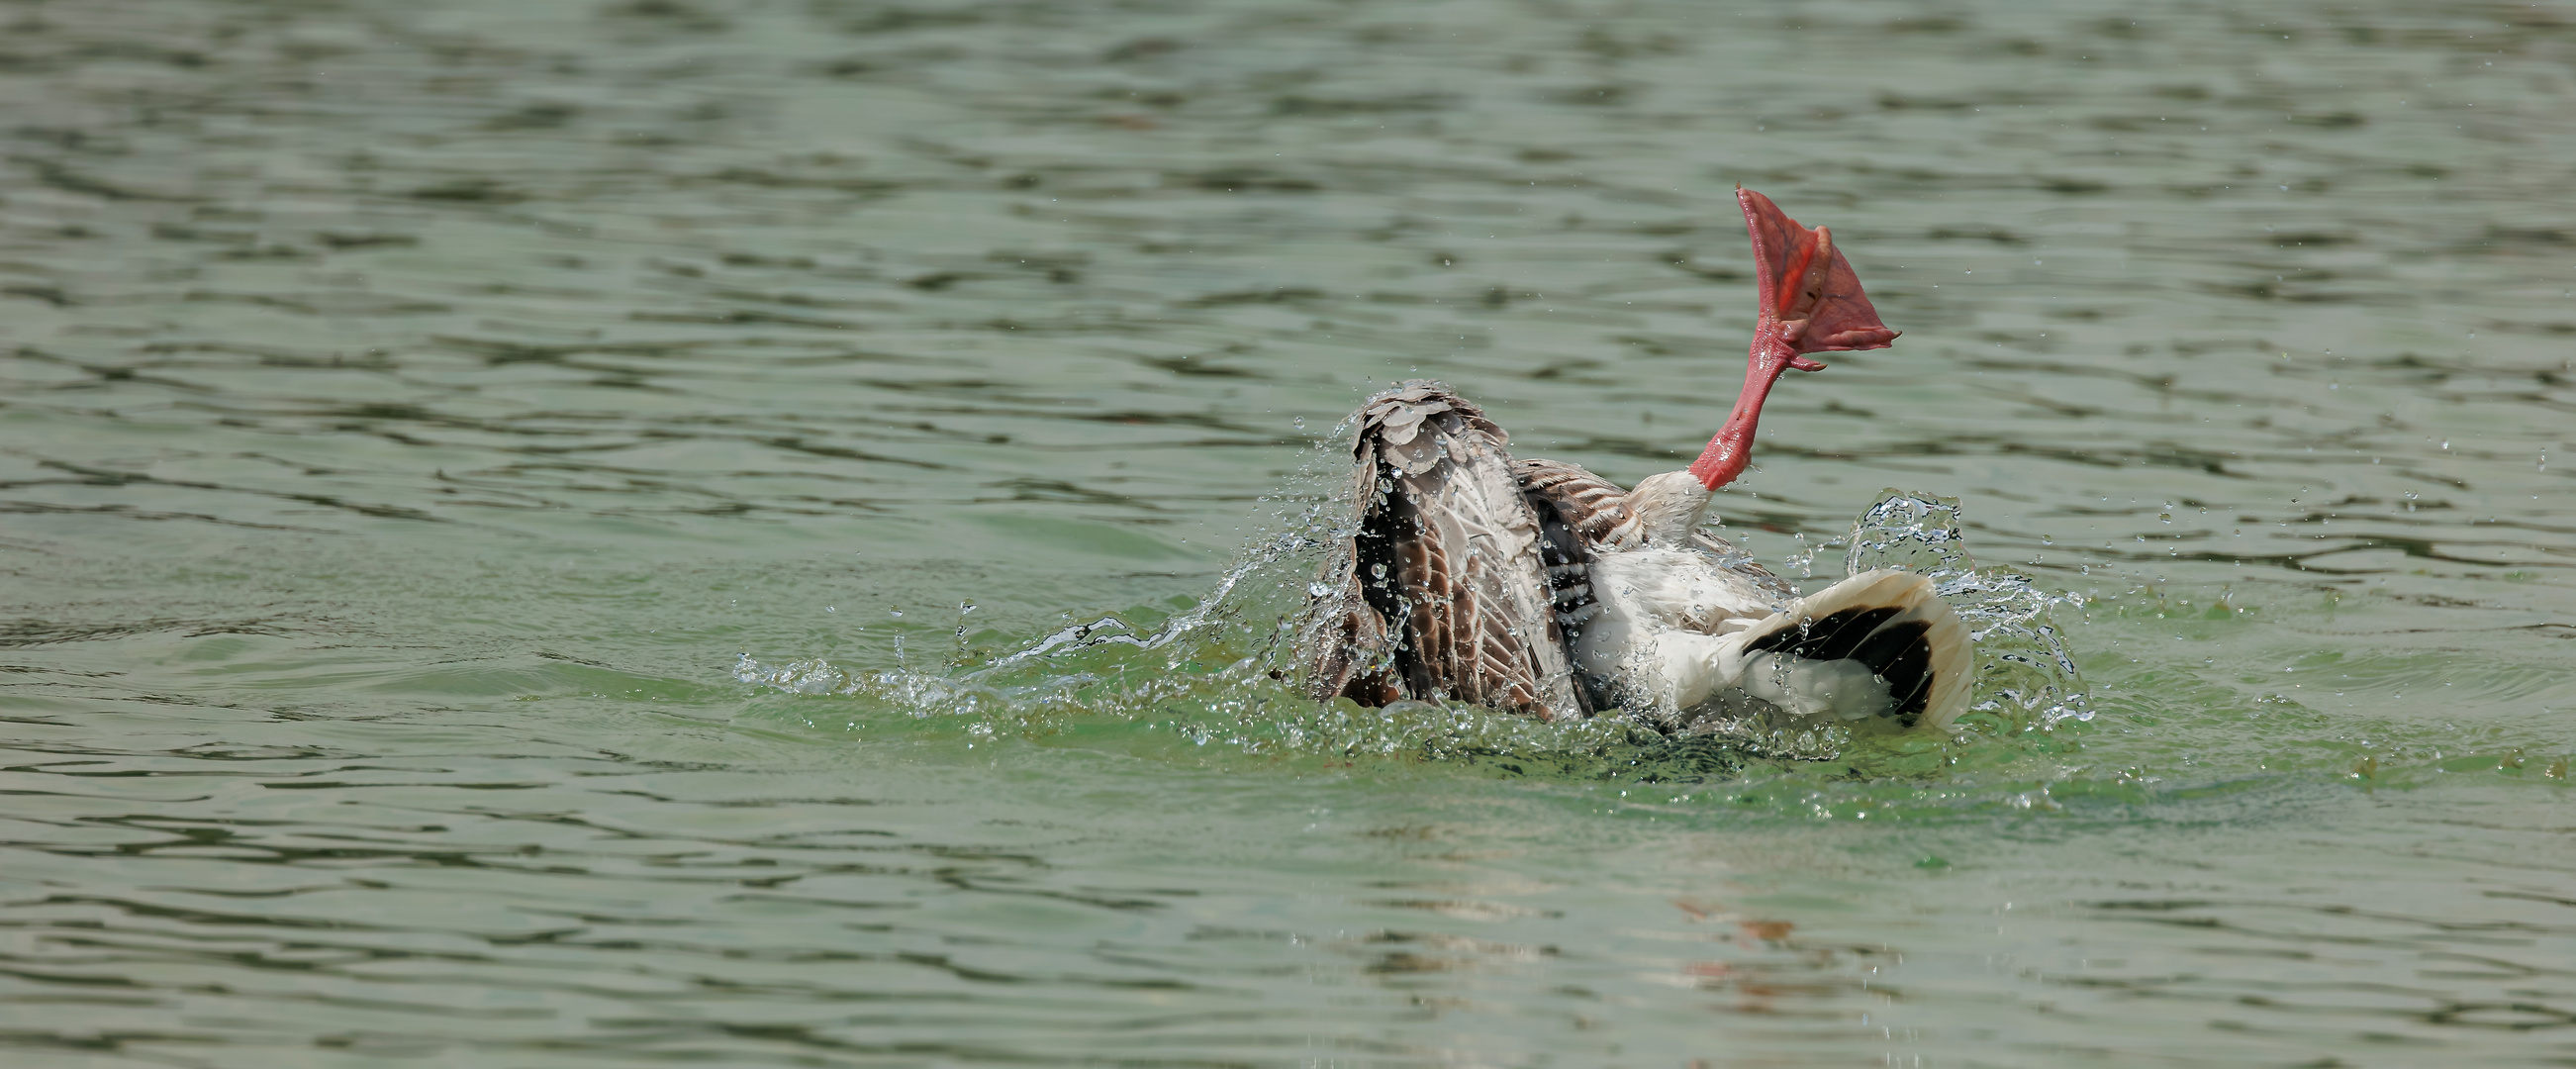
column 1880, row 644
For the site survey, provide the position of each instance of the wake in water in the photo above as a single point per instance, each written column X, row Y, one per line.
column 1228, row 671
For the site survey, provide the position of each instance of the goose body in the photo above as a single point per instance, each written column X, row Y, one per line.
column 1536, row 587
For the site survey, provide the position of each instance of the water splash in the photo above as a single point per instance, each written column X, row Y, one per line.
column 1310, row 518
column 2026, row 676
column 1225, row 672
column 1211, row 611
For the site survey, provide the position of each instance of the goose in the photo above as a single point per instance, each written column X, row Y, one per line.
column 1539, row 588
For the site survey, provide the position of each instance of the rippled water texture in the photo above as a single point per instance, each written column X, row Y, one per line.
column 518, row 520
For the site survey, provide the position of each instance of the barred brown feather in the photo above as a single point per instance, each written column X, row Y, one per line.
column 1593, row 506
column 1594, row 512
column 1442, row 584
column 1472, row 577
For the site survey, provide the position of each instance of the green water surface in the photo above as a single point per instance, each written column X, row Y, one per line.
column 440, row 443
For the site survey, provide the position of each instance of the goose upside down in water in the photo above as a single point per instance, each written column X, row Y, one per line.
column 1536, row 587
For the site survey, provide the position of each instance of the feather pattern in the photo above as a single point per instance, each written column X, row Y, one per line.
column 1593, row 512
column 1538, row 587
column 1594, row 508
column 1444, row 571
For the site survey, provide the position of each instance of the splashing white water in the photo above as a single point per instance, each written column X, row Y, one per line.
column 1225, row 670
column 2025, row 674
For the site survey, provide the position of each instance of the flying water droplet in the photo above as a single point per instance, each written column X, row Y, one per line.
column 2024, row 669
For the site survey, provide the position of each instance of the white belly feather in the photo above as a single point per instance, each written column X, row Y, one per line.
column 1674, row 628
column 1660, row 635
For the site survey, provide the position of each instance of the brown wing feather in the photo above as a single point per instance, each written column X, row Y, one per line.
column 1594, row 512
column 1445, row 560
column 1567, row 555
column 1346, row 636
column 1344, row 633
column 1594, row 507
